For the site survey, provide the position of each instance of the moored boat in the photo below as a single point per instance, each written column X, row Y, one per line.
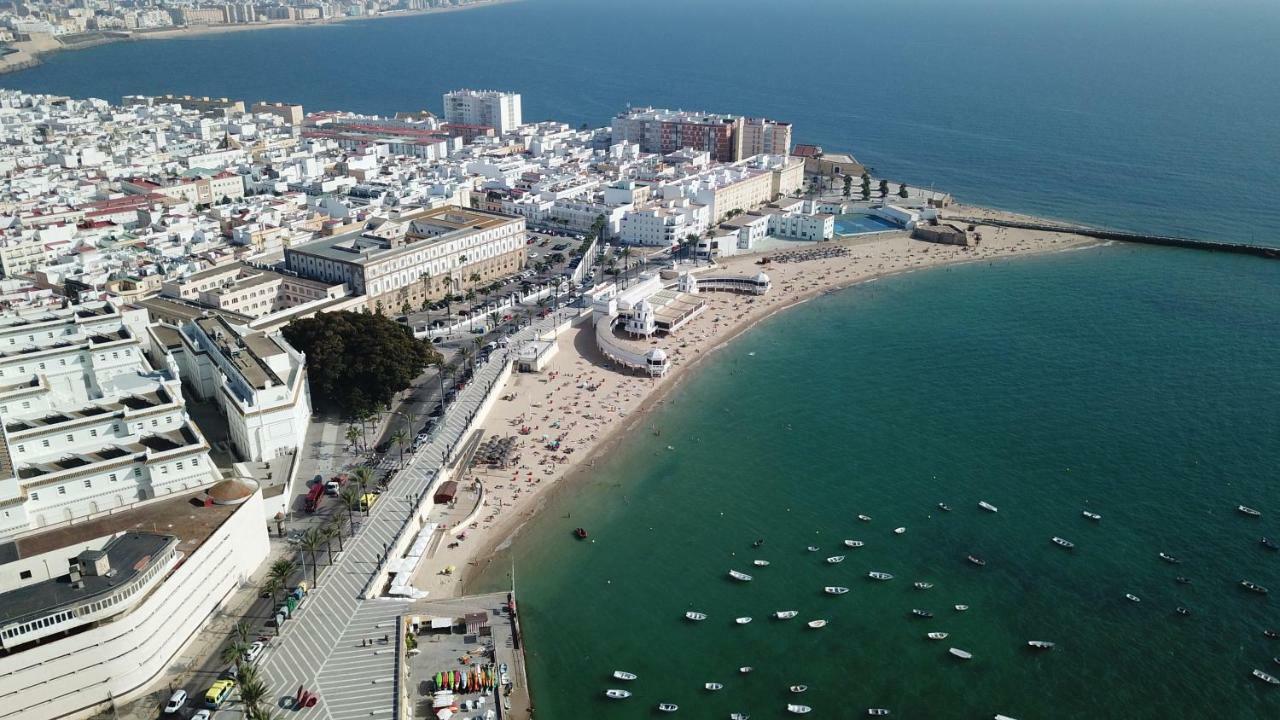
column 740, row 576
column 835, row 590
column 1183, row 611
column 944, row 507
column 853, row 543
column 877, row 712
column 799, row 709
column 742, row 620
column 1041, row 644
column 813, row 548
column 799, row 688
column 815, row 624
column 668, row 707
column 1264, row 677
column 987, row 506
column 745, row 669
column 1132, row 598
column 1271, row 634
column 1253, row 587
column 695, row 616
column 739, row 716
column 864, row 518
column 977, row 560
column 1063, row 542
column 1091, row 515
column 1182, row 580
column 874, row 575
column 785, row 614
column 1267, row 543
column 834, row 559
column 1169, row 558
column 1248, row 511
column 624, row 675
column 899, row 530
column 962, row 654
column 760, row 563
column 937, row 635
column 580, row 533
column 924, row 585
column 712, row 686
column 617, row 694
column 921, row 613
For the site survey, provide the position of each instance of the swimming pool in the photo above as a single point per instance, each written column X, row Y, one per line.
column 861, row 223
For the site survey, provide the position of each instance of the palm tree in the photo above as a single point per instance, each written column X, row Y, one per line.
column 339, row 523
column 273, row 586
column 353, row 434
column 242, row 631
column 233, row 654
column 401, row 438
column 283, row 570
column 471, row 299
column 350, row 499
column 329, row 533
column 252, row 692
column 311, row 541
column 363, row 476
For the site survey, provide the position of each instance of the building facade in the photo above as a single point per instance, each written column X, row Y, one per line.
column 490, row 108
column 727, row 138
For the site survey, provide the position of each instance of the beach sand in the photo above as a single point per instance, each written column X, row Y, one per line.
column 580, row 401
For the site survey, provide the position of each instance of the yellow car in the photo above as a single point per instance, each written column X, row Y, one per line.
column 367, row 500
column 218, row 693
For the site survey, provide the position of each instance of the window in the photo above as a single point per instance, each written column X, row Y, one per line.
column 71, row 438
column 22, row 448
column 112, row 477
column 137, row 472
column 164, row 469
column 35, row 496
column 93, row 433
column 195, row 462
column 154, row 422
column 24, row 575
column 62, row 489
column 44, row 443
column 88, row 483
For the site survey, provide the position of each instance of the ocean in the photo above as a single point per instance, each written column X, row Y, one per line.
column 1136, row 382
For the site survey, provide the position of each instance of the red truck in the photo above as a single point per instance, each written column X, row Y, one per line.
column 315, row 496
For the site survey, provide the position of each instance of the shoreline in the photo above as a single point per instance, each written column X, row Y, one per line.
column 475, row 559
column 29, row 54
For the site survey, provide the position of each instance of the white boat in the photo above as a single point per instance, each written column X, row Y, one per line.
column 987, row 506
column 739, row 576
column 742, row 620
column 1091, row 515
column 695, row 616
column 668, row 707
column 745, row 669
column 835, row 559
column 864, row 518
column 1169, row 558
column 1063, row 542
column 799, row 709
column 853, row 543
column 815, row 624
column 877, row 712
column 899, row 531
column 924, row 585
column 835, row 590
column 813, row 548
column 739, row 716
column 1004, row 717
column 1041, row 644
column 1248, row 511
column 1264, row 677
column 1132, row 598
column 712, row 686
column 874, row 575
column 937, row 636
column 617, row 694
column 799, row 688
column 961, row 608
column 962, row 654
column 785, row 614
column 760, row 563
column 624, row 675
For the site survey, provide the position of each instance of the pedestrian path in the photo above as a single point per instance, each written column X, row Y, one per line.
column 321, row 648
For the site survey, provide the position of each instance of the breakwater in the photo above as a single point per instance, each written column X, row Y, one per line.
column 1167, row 240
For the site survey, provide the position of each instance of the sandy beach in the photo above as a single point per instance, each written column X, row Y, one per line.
column 579, row 401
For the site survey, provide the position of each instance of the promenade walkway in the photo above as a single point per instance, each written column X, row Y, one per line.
column 321, row 647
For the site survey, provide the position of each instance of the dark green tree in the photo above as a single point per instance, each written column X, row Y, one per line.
column 848, row 185
column 902, row 191
column 884, row 188
column 357, row 362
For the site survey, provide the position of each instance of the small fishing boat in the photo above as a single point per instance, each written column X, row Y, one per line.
column 757, row 543
column 1003, row 717
column 799, row 688
column 813, row 548
column 1253, row 587
column 864, row 518
column 977, row 560
column 695, row 616
column 835, row 590
column 899, row 530
column 617, row 694
column 1091, row 515
column 1040, row 644
column 1264, row 677
column 624, row 675
column 739, row 716
column 668, row 707
column 1132, row 598
column 921, row 613
column 739, row 576
column 834, row 559
column 1183, row 611
column 961, row 608
column 799, row 709
column 785, row 614
column 924, row 585
column 1063, row 542
column 962, row 654
column 1183, row 580
column 944, row 507
column 745, row 669
column 742, row 620
column 937, row 635
column 580, row 533
column 1169, row 558
column 815, row 624
column 853, row 543
column 874, row 575
column 1268, row 543
column 713, row 686
column 1272, row 634
column 987, row 506
column 1248, row 511
column 877, row 712
column 760, row 563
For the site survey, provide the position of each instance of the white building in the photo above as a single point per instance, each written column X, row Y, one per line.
column 492, row 108
column 89, row 426
column 665, row 225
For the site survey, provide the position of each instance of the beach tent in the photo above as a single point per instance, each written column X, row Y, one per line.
column 446, row 493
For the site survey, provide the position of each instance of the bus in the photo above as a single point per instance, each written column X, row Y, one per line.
column 315, row 496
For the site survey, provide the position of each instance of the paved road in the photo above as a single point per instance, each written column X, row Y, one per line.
column 320, row 648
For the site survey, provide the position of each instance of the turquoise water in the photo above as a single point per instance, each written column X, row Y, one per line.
column 860, row 223
column 1137, row 383
column 1156, row 115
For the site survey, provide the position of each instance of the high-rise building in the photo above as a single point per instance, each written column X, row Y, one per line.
column 728, row 138
column 491, row 108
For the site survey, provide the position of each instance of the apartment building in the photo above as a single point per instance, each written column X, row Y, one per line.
column 198, row 189
column 665, row 225
column 728, row 138
column 415, row 257
column 490, row 108
column 248, row 290
column 89, row 425
column 20, row 255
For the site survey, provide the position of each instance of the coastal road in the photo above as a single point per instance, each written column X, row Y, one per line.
column 321, row 648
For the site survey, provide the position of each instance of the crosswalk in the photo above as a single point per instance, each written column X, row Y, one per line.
column 340, row 646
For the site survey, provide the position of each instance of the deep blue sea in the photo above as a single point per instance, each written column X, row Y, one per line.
column 1137, row 382
column 1141, row 114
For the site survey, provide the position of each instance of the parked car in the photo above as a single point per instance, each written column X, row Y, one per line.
column 254, row 651
column 382, row 447
column 176, row 701
column 202, row 714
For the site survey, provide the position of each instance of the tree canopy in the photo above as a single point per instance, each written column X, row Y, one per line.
column 357, row 361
